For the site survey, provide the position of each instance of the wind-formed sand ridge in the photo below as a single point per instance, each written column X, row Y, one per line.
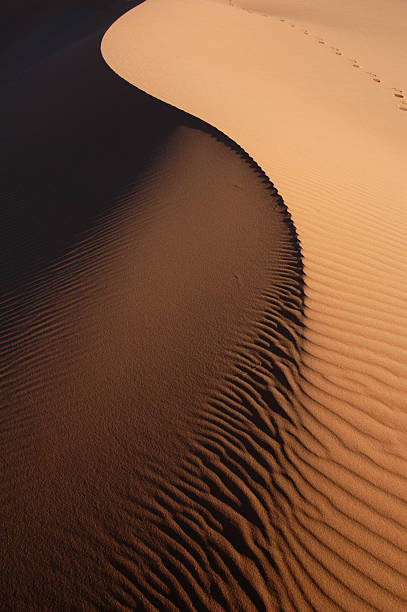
column 339, row 535
column 151, row 328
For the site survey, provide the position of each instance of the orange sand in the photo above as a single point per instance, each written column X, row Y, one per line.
column 314, row 92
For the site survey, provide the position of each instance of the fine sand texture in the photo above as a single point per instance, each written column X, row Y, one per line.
column 319, row 102
column 151, row 306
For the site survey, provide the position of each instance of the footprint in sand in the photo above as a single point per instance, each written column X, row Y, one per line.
column 398, row 92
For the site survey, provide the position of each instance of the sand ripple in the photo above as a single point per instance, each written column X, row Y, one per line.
column 150, row 337
column 323, row 521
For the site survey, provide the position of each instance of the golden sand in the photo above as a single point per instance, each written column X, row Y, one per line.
column 315, row 93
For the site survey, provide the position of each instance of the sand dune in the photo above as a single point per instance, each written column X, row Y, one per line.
column 318, row 101
column 176, row 432
column 151, row 286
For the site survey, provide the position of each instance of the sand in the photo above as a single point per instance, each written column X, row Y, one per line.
column 314, row 92
column 197, row 411
column 150, row 275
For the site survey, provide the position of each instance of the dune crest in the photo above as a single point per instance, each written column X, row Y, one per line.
column 151, row 287
column 332, row 139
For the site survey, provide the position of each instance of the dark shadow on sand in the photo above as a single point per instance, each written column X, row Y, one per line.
column 74, row 132
column 75, row 138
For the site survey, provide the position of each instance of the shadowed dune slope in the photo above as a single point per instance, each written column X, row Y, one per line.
column 150, row 333
column 330, row 127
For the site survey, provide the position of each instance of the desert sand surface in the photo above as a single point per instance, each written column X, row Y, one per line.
column 315, row 93
column 151, row 314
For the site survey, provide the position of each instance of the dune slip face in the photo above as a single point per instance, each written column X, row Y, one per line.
column 150, row 333
column 327, row 125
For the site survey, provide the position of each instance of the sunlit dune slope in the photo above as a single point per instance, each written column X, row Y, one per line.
column 329, row 127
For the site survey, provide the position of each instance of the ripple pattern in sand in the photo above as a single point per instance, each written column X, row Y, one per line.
column 151, row 328
column 216, row 521
column 337, row 530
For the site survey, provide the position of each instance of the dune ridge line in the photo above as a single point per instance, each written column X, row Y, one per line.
column 333, row 144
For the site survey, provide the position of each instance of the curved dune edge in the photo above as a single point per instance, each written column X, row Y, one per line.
column 208, row 536
column 334, row 145
column 204, row 540
column 152, row 299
